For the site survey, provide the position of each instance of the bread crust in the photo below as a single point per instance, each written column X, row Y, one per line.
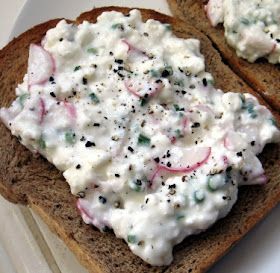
column 35, row 182
column 262, row 76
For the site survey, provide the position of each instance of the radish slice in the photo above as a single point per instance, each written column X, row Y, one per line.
column 134, row 49
column 185, row 160
column 70, row 109
column 41, row 65
column 87, row 217
column 214, row 11
column 42, row 110
column 234, row 142
column 143, row 89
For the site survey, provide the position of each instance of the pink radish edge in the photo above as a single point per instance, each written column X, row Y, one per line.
column 133, row 48
column 42, row 108
column 188, row 169
column 53, row 67
column 131, row 90
column 71, row 109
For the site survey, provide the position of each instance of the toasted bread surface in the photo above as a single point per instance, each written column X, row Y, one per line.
column 33, row 181
column 261, row 75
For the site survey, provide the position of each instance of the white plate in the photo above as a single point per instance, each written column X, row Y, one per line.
column 259, row 251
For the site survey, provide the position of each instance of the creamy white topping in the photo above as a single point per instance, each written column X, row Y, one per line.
column 126, row 110
column 252, row 27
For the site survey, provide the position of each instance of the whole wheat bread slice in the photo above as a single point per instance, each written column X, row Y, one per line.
column 261, row 75
column 35, row 182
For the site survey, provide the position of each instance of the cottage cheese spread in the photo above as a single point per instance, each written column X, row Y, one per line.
column 130, row 116
column 252, row 27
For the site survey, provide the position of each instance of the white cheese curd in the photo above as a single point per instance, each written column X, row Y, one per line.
column 252, row 27
column 126, row 110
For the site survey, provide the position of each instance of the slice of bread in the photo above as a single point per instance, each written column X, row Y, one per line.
column 34, row 182
column 261, row 75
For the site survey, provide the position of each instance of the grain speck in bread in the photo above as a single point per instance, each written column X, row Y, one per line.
column 35, row 182
column 261, row 75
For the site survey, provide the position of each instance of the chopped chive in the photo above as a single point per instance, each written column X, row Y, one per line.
column 70, row 137
column 92, row 50
column 118, row 26
column 179, row 133
column 22, row 99
column 199, row 196
column 273, row 121
column 245, row 21
column 78, row 67
column 179, row 82
column 42, row 143
column 180, row 217
column 143, row 101
column 94, row 98
column 154, row 73
column 131, row 239
column 176, row 107
column 168, row 27
column 143, row 140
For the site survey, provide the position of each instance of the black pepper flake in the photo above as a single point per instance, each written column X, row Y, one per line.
column 111, row 53
column 239, row 154
column 78, row 167
column 168, row 164
column 147, row 200
column 195, row 125
column 82, row 138
column 253, row 143
column 102, row 199
column 204, row 81
column 156, row 159
column 89, row 144
column 184, row 178
column 96, row 124
column 165, row 73
column 85, row 81
column 278, row 40
column 173, row 186
column 53, row 94
column 117, row 175
column 118, row 61
column 130, row 149
column 61, row 39
column 51, row 79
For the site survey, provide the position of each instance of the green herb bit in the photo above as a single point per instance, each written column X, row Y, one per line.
column 118, row 26
column 211, row 184
column 131, row 239
column 168, row 27
column 176, row 107
column 78, row 67
column 251, row 110
column 143, row 140
column 273, row 121
column 180, row 217
column 154, row 73
column 94, row 98
column 92, row 50
column 199, row 196
column 143, row 101
column 179, row 133
column 136, row 185
column 179, row 83
column 169, row 69
column 22, row 99
column 42, row 143
column 245, row 21
column 70, row 137
column 242, row 97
